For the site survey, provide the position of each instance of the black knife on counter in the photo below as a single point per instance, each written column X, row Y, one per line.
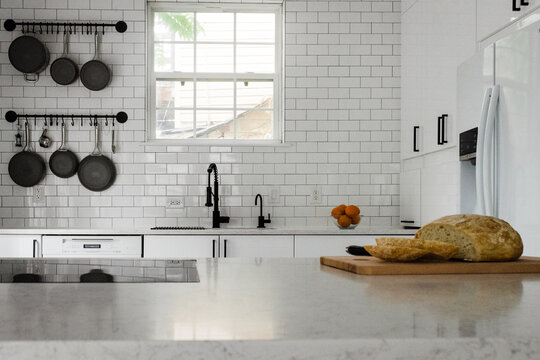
column 357, row 250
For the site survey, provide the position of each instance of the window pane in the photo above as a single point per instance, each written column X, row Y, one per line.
column 255, row 124
column 215, row 124
column 255, row 27
column 181, row 55
column 174, row 124
column 215, row 27
column 172, row 94
column 173, row 26
column 214, row 58
column 213, row 94
column 255, row 94
column 255, row 58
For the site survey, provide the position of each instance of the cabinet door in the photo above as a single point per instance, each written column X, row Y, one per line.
column 180, row 246
column 437, row 36
column 493, row 15
column 318, row 245
column 23, row 246
column 410, row 198
column 257, row 246
column 440, row 187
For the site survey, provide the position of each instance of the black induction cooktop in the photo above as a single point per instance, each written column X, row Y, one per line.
column 97, row 270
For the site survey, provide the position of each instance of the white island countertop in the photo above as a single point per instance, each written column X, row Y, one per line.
column 334, row 230
column 276, row 309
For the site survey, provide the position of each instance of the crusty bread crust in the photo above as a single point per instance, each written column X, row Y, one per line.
column 439, row 248
column 479, row 238
column 395, row 253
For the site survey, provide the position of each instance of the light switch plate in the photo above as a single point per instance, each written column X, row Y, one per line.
column 274, row 197
column 38, row 194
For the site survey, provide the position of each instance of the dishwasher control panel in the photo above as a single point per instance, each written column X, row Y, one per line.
column 88, row 246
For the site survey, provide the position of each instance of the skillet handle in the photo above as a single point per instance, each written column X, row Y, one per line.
column 97, row 150
column 31, row 79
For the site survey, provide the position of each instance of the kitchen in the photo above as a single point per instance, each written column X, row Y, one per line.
column 346, row 88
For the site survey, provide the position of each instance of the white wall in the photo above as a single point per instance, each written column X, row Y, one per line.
column 342, row 122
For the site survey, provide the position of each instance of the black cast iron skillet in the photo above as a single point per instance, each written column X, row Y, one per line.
column 63, row 163
column 28, row 55
column 64, row 71
column 26, row 168
column 95, row 74
column 96, row 171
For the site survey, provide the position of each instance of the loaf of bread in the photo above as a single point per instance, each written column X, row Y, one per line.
column 478, row 238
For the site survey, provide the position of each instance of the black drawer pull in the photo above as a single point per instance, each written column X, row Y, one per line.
column 407, row 221
column 444, row 126
column 415, row 139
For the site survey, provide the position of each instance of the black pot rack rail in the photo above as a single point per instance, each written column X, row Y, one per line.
column 52, row 27
column 52, row 119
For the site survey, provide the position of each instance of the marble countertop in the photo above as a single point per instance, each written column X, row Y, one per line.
column 277, row 309
column 360, row 230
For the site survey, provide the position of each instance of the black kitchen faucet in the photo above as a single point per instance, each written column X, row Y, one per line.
column 262, row 220
column 217, row 220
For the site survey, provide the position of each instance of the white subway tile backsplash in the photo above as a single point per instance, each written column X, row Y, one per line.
column 342, row 103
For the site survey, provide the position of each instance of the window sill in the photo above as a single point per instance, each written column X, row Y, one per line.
column 201, row 142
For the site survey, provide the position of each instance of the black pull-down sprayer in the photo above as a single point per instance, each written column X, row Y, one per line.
column 217, row 220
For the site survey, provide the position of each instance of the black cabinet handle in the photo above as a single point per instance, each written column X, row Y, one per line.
column 524, row 3
column 439, row 131
column 415, row 139
column 225, row 248
column 34, row 243
column 213, row 248
column 515, row 6
column 444, row 124
column 407, row 221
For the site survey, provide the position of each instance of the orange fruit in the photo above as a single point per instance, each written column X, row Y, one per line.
column 355, row 219
column 337, row 212
column 352, row 210
column 344, row 221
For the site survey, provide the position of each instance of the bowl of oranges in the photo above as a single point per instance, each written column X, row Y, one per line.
column 346, row 217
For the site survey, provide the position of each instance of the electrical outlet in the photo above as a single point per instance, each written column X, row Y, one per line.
column 175, row 203
column 38, row 195
column 273, row 199
column 316, row 196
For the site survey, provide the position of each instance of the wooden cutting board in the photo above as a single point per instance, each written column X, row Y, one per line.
column 368, row 265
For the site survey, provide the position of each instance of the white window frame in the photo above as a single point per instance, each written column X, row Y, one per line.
column 276, row 77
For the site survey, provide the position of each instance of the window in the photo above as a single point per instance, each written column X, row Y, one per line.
column 215, row 73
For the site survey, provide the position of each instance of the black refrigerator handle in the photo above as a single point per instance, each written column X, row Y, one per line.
column 415, row 139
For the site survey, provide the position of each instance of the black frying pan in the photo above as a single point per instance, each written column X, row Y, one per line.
column 96, row 171
column 63, row 163
column 64, row 71
column 95, row 74
column 26, row 168
column 28, row 55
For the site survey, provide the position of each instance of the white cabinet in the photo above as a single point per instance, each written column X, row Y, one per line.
column 180, row 246
column 437, row 35
column 429, row 188
column 257, row 246
column 492, row 15
column 410, row 198
column 23, row 246
column 309, row 246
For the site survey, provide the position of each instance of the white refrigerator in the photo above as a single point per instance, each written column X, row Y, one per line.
column 499, row 92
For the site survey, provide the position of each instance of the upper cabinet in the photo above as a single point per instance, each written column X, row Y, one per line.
column 493, row 15
column 437, row 35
